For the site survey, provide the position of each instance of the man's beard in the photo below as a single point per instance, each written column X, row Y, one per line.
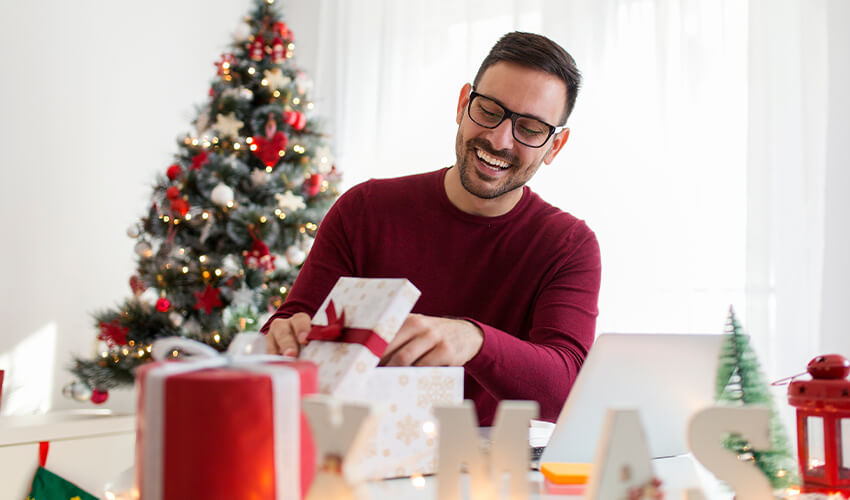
column 469, row 173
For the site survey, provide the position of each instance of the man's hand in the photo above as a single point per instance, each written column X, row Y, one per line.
column 287, row 335
column 430, row 341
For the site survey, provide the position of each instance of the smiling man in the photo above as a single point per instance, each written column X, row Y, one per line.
column 509, row 283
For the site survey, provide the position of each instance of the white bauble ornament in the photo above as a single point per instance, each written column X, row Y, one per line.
column 133, row 231
column 242, row 32
column 295, row 255
column 149, row 297
column 280, row 263
column 144, row 249
column 192, row 327
column 307, row 243
column 222, row 194
column 230, row 264
column 80, row 392
column 176, row 318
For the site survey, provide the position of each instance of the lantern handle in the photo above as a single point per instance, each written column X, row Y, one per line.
column 786, row 380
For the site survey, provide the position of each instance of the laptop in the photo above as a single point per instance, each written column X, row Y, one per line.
column 667, row 377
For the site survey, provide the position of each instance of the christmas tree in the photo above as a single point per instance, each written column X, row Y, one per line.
column 231, row 220
column 740, row 381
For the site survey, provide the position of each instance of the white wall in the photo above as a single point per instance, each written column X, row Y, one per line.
column 93, row 96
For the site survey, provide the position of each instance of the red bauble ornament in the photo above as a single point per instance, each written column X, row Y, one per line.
column 180, row 207
column 137, row 285
column 163, row 304
column 295, row 119
column 113, row 333
column 829, row 366
column 199, row 160
column 98, row 396
column 172, row 193
column 278, row 52
column 313, row 185
column 269, row 148
column 281, row 29
column 208, row 299
column 174, row 171
column 258, row 49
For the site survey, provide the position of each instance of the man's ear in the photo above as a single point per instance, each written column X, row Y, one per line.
column 462, row 101
column 557, row 143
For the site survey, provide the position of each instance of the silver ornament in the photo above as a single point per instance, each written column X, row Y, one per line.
column 144, row 249
column 80, row 392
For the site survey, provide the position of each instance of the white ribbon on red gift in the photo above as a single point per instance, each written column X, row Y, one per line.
column 286, row 404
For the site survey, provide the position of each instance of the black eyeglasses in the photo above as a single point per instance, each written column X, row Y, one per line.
column 527, row 130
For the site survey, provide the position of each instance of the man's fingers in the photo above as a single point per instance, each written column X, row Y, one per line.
column 281, row 339
column 417, row 347
column 301, row 327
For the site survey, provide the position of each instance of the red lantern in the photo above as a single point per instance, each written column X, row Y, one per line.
column 823, row 402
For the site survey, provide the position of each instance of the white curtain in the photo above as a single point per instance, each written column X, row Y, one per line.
column 698, row 150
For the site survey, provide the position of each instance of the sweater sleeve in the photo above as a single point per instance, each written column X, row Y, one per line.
column 329, row 258
column 544, row 367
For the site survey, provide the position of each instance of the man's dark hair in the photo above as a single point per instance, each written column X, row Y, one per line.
column 536, row 52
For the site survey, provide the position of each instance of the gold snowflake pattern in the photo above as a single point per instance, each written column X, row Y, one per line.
column 408, row 430
column 434, row 389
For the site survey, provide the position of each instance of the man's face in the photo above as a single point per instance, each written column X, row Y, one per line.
column 490, row 161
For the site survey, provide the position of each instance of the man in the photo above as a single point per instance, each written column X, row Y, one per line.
column 509, row 283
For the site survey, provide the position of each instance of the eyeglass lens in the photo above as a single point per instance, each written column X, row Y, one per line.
column 488, row 113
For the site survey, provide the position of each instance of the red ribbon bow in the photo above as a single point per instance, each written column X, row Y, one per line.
column 336, row 331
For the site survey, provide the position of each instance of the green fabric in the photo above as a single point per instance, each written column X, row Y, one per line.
column 48, row 486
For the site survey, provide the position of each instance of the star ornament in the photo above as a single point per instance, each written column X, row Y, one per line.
column 208, row 299
column 228, row 125
column 276, row 79
column 289, row 202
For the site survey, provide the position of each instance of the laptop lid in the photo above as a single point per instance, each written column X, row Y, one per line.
column 667, row 377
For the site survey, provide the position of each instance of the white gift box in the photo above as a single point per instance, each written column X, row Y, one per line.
column 370, row 307
column 405, row 442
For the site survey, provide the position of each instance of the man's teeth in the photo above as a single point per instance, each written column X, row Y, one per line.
column 491, row 160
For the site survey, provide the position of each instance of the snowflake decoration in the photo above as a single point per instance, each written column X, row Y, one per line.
column 289, row 202
column 408, row 430
column 276, row 79
column 228, row 125
column 434, row 389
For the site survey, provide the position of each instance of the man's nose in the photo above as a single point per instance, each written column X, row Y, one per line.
column 502, row 137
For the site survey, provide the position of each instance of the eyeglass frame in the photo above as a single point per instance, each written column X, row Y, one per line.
column 512, row 115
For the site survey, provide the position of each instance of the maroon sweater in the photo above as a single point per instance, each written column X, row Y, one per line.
column 528, row 278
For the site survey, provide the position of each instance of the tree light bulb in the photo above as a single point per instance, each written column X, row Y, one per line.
column 418, row 481
column 264, row 82
column 218, row 272
column 263, row 219
column 165, row 218
column 217, row 338
column 206, row 274
column 185, row 270
column 282, row 290
column 310, row 105
column 202, row 258
column 251, row 70
column 229, row 204
column 276, row 93
column 141, row 352
column 296, row 101
column 269, row 169
column 237, row 146
column 205, row 215
column 194, row 142
column 253, row 147
column 188, row 217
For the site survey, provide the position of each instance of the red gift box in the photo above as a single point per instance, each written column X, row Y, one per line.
column 225, row 432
